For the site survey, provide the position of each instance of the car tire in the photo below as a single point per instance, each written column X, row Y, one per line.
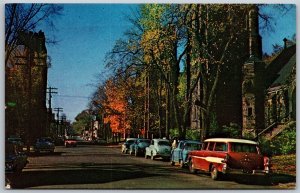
column 191, row 167
column 172, row 162
column 181, row 164
column 146, row 156
column 152, row 157
column 214, row 173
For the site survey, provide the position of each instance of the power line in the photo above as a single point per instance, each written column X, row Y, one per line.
column 72, row 96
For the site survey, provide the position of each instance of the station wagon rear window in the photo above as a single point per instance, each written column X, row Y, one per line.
column 243, row 147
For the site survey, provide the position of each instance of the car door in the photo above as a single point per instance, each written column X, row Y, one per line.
column 176, row 152
column 149, row 149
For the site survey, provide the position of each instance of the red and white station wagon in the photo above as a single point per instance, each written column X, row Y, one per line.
column 228, row 155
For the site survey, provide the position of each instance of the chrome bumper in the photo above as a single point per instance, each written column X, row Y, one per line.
column 227, row 170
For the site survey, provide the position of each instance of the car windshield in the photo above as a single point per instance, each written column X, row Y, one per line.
column 192, row 146
column 144, row 141
column 45, row 140
column 166, row 143
column 130, row 141
column 243, row 147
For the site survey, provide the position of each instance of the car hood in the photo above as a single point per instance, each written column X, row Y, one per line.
column 143, row 145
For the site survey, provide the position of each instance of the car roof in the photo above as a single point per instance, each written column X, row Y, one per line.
column 161, row 140
column 143, row 139
column 190, row 141
column 226, row 140
column 131, row 139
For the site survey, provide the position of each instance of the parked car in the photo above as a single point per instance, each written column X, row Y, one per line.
column 99, row 141
column 15, row 160
column 18, row 141
column 44, row 144
column 228, row 156
column 180, row 153
column 59, row 141
column 139, row 147
column 70, row 142
column 158, row 148
column 126, row 145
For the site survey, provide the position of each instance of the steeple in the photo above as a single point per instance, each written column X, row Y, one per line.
column 255, row 49
column 253, row 81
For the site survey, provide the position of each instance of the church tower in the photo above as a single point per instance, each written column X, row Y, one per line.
column 253, row 82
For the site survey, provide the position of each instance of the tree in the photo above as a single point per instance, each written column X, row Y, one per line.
column 25, row 18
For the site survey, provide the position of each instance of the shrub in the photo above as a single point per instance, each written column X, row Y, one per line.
column 283, row 144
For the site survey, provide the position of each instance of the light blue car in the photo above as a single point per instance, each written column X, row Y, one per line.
column 180, row 153
column 158, row 148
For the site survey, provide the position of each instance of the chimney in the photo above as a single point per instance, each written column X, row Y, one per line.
column 285, row 43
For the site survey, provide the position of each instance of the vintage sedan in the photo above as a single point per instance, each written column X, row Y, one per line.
column 126, row 145
column 229, row 156
column 158, row 148
column 139, row 147
column 15, row 160
column 44, row 144
column 180, row 153
column 70, row 141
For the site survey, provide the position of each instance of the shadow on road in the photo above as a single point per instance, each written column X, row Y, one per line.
column 84, row 173
column 270, row 180
column 35, row 154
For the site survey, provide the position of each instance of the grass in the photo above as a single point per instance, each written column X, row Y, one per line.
column 284, row 164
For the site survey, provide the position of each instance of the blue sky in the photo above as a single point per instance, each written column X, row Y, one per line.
column 86, row 32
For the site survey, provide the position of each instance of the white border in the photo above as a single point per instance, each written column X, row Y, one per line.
column 2, row 95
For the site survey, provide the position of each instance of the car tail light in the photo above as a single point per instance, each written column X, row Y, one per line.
column 226, row 158
column 267, row 164
column 266, row 161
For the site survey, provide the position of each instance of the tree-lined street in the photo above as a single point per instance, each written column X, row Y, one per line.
column 91, row 76
column 105, row 167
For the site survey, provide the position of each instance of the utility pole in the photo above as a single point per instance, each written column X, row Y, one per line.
column 57, row 121
column 50, row 91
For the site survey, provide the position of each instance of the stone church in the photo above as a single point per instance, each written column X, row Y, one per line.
column 260, row 96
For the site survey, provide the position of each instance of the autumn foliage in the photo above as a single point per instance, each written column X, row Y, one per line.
column 115, row 106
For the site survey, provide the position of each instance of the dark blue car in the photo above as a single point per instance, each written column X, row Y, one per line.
column 139, row 146
column 180, row 153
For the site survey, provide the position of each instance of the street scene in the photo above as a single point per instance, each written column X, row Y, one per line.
column 150, row 96
column 105, row 167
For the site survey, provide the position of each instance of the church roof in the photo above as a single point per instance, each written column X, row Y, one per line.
column 279, row 70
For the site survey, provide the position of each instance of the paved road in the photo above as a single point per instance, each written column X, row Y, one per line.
column 103, row 167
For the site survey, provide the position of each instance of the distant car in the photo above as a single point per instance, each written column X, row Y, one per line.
column 139, row 147
column 126, row 145
column 158, row 148
column 99, row 141
column 180, row 153
column 70, row 142
column 15, row 160
column 44, row 144
column 228, row 156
